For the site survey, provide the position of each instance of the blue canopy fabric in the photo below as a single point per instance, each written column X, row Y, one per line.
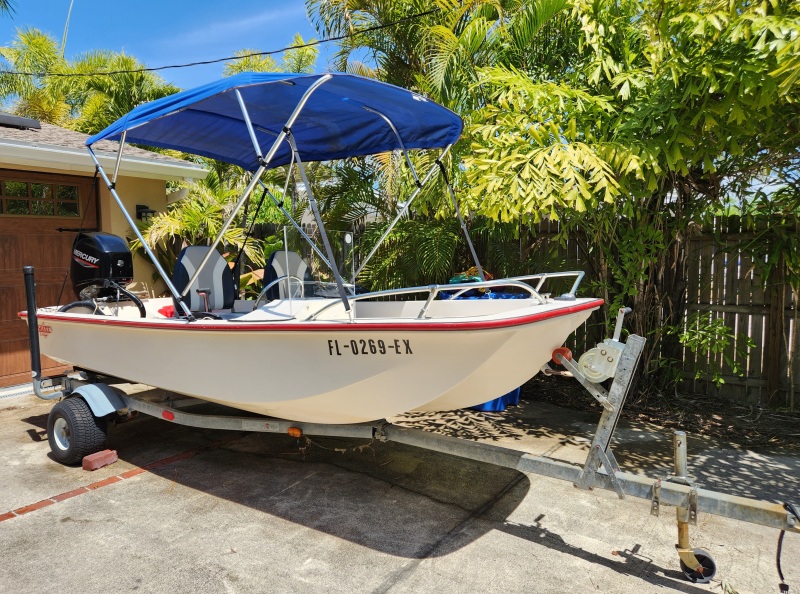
column 335, row 123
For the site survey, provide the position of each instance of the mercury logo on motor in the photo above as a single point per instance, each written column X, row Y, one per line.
column 85, row 259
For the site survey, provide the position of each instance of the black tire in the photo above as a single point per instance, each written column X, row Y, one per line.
column 706, row 562
column 73, row 431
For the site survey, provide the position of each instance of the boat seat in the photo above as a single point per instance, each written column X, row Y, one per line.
column 213, row 290
column 276, row 268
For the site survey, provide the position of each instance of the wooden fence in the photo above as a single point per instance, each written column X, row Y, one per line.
column 725, row 283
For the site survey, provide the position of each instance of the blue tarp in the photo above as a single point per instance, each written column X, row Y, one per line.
column 334, row 124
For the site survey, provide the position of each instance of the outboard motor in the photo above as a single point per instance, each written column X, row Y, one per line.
column 101, row 262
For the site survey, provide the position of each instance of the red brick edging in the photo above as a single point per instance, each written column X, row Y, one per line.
column 111, row 480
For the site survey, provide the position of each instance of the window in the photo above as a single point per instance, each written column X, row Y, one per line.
column 35, row 198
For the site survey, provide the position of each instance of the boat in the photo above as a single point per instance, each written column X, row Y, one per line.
column 335, row 355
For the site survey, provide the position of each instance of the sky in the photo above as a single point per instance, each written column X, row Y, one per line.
column 168, row 32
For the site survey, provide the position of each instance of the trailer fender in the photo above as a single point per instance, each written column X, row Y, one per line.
column 101, row 398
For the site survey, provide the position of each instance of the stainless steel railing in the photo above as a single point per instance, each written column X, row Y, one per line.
column 456, row 290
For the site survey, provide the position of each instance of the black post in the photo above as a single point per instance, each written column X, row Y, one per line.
column 33, row 322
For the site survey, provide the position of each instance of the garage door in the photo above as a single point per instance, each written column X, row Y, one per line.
column 33, row 206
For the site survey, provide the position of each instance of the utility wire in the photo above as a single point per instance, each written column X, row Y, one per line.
column 231, row 58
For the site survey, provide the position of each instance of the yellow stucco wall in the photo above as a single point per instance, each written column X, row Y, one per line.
column 133, row 191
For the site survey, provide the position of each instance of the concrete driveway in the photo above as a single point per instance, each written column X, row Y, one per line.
column 188, row 510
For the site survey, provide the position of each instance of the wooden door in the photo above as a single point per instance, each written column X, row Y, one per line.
column 33, row 207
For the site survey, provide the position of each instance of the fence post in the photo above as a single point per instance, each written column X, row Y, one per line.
column 775, row 343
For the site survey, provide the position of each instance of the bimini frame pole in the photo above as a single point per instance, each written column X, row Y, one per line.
column 402, row 212
column 312, row 202
column 288, row 215
column 263, row 163
column 245, row 195
column 112, row 188
column 461, row 219
column 399, row 140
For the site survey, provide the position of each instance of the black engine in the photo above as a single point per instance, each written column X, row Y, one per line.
column 101, row 262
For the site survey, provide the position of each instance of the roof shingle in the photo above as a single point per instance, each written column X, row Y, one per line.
column 56, row 136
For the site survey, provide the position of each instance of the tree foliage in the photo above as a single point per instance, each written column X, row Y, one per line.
column 629, row 121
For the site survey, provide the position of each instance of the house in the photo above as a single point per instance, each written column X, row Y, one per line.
column 48, row 192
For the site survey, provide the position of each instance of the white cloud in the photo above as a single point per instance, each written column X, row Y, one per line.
column 239, row 33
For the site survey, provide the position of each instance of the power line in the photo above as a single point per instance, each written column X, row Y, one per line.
column 231, row 58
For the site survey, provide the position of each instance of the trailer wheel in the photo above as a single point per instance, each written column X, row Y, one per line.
column 709, row 568
column 73, row 431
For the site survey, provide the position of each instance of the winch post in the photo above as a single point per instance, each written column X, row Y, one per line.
column 600, row 453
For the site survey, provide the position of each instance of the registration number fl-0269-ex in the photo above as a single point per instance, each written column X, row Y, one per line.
column 372, row 346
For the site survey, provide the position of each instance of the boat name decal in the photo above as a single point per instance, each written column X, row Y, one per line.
column 85, row 258
column 369, row 347
column 45, row 330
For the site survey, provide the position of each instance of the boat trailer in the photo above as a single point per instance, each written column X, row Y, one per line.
column 93, row 395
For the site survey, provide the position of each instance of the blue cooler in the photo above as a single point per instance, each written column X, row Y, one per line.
column 512, row 398
column 499, row 404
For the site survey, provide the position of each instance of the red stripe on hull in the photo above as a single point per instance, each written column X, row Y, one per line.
column 272, row 326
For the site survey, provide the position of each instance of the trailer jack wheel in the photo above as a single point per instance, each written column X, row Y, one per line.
column 704, row 572
column 73, row 431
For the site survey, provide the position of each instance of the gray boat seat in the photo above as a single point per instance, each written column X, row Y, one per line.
column 213, row 290
column 298, row 268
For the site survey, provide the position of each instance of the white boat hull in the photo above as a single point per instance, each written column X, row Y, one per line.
column 323, row 371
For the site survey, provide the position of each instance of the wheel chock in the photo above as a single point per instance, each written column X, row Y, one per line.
column 99, row 459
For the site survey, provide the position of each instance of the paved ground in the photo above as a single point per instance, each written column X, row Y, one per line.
column 202, row 511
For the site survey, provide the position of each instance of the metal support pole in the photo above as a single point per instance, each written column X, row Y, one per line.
column 681, row 457
column 400, row 214
column 245, row 195
column 461, row 220
column 312, row 202
column 119, row 157
column 33, row 336
column 296, row 226
column 175, row 293
column 33, row 323
column 685, row 515
column 248, row 123
column 399, row 140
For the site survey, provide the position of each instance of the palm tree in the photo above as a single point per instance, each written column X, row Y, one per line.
column 70, row 93
column 101, row 99
column 249, row 60
column 32, row 54
column 6, row 7
column 393, row 54
column 300, row 59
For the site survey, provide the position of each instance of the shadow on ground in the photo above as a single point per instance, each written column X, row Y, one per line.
column 392, row 498
column 640, row 448
column 414, row 503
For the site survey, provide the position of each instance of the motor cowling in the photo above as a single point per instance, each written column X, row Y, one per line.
column 99, row 262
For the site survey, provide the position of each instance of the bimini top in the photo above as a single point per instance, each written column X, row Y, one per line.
column 338, row 121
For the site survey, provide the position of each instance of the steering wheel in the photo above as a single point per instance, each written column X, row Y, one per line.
column 300, row 284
